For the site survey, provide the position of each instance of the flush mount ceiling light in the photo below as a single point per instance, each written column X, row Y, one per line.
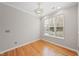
column 58, row 7
column 39, row 10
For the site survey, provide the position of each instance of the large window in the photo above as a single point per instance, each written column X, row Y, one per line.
column 54, row 26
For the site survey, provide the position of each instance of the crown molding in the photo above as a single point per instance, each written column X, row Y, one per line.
column 18, row 8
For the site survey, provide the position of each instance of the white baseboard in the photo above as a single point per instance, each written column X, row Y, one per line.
column 35, row 41
column 61, row 46
column 19, row 46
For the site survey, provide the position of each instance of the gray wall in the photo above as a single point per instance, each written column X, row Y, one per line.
column 78, row 26
column 70, row 28
column 23, row 27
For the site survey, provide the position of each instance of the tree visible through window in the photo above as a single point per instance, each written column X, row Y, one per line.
column 54, row 25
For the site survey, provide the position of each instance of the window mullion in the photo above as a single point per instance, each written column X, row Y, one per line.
column 54, row 27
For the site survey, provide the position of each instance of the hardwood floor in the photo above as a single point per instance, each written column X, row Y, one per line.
column 40, row 48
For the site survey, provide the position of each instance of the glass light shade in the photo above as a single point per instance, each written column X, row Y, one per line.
column 38, row 11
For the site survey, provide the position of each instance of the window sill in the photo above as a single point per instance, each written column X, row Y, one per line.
column 46, row 34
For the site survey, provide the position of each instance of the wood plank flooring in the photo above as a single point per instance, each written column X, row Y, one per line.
column 40, row 48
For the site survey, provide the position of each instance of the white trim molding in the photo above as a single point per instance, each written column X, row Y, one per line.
column 20, row 9
column 46, row 34
column 19, row 46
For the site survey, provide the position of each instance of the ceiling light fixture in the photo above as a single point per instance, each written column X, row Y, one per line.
column 58, row 7
column 39, row 10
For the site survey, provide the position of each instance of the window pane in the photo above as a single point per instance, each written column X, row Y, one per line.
column 51, row 26
column 59, row 31
column 59, row 21
column 59, row 25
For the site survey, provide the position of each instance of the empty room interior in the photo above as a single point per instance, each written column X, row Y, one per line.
column 39, row 29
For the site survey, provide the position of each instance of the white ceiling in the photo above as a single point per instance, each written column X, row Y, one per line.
column 46, row 6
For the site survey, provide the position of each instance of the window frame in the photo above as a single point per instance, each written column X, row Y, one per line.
column 54, row 36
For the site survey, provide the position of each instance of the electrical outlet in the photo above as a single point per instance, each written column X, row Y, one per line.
column 15, row 42
column 7, row 31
